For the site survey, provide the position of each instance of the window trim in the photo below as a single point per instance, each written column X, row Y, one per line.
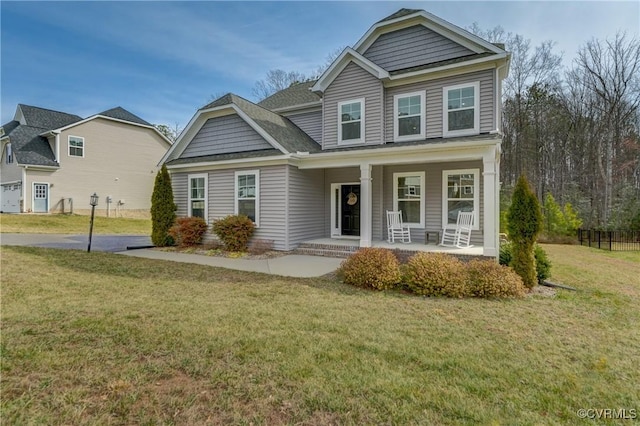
column 423, row 115
column 255, row 173
column 362, row 124
column 476, row 196
column 476, row 110
column 69, row 146
column 206, row 194
column 421, row 174
column 8, row 150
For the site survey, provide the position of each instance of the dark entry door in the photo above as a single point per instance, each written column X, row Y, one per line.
column 350, row 210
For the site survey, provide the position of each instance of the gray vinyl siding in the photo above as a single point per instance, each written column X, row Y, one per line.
column 310, row 123
column 353, row 83
column 221, row 201
column 180, row 188
column 411, row 47
column 434, row 111
column 433, row 195
column 223, row 135
column 306, row 205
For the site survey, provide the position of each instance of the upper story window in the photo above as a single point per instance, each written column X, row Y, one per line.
column 409, row 116
column 247, row 199
column 461, row 109
column 351, row 121
column 76, row 146
column 198, row 195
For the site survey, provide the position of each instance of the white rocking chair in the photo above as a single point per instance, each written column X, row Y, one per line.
column 396, row 229
column 460, row 235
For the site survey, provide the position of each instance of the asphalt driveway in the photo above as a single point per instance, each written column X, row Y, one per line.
column 110, row 243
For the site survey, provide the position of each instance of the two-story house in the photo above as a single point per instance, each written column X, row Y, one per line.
column 53, row 161
column 408, row 119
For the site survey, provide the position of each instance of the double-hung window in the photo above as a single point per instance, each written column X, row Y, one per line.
column 409, row 116
column 76, row 146
column 408, row 197
column 198, row 195
column 461, row 109
column 460, row 193
column 247, row 199
column 351, row 122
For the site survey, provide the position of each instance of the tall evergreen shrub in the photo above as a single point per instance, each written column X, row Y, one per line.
column 163, row 209
column 524, row 223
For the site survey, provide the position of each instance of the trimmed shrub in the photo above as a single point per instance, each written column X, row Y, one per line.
column 374, row 268
column 524, row 222
column 188, row 231
column 486, row 278
column 543, row 265
column 163, row 209
column 435, row 274
column 234, row 231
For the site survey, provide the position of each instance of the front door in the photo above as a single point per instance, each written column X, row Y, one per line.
column 350, row 210
column 40, row 198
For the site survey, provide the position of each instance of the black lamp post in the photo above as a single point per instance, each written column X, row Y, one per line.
column 94, row 203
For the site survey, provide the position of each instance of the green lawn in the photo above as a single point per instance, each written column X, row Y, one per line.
column 96, row 338
column 72, row 224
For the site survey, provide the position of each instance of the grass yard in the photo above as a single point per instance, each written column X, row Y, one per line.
column 96, row 338
column 72, row 224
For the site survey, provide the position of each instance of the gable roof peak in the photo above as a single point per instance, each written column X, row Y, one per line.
column 44, row 118
column 400, row 13
column 120, row 113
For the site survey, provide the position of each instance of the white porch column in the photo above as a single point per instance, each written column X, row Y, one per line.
column 491, row 205
column 366, row 205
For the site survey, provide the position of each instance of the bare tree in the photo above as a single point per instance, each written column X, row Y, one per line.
column 170, row 133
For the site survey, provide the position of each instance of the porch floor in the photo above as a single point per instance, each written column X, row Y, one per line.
column 470, row 251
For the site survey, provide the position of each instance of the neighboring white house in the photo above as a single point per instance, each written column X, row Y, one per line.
column 407, row 119
column 53, row 161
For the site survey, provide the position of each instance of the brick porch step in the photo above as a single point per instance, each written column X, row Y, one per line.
column 327, row 250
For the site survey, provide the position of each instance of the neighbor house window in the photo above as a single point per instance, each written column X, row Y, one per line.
column 408, row 197
column 351, row 121
column 409, row 116
column 76, row 146
column 198, row 195
column 248, row 194
column 8, row 154
column 461, row 109
column 460, row 193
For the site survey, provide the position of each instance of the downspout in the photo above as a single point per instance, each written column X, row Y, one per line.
column 57, row 146
column 24, row 190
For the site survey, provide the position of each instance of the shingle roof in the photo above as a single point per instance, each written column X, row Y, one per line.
column 222, row 157
column 8, row 128
column 122, row 114
column 31, row 148
column 399, row 14
column 296, row 94
column 278, row 127
column 46, row 118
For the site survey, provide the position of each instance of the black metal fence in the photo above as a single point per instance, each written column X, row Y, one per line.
column 610, row 240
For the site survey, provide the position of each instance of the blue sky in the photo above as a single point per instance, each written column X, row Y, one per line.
column 164, row 60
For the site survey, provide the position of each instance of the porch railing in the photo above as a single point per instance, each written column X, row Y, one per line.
column 618, row 240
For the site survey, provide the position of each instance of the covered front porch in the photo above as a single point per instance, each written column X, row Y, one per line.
column 351, row 245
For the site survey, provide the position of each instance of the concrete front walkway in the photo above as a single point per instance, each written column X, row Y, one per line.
column 288, row 265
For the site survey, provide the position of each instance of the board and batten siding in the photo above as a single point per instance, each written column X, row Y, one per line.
column 221, row 199
column 310, row 123
column 433, row 195
column 353, row 83
column 306, row 209
column 412, row 47
column 434, row 107
column 224, row 135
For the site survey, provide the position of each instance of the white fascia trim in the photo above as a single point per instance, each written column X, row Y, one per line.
column 227, row 164
column 439, row 25
column 347, row 55
column 294, row 109
column 11, row 182
column 449, row 67
column 37, row 167
column 449, row 150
